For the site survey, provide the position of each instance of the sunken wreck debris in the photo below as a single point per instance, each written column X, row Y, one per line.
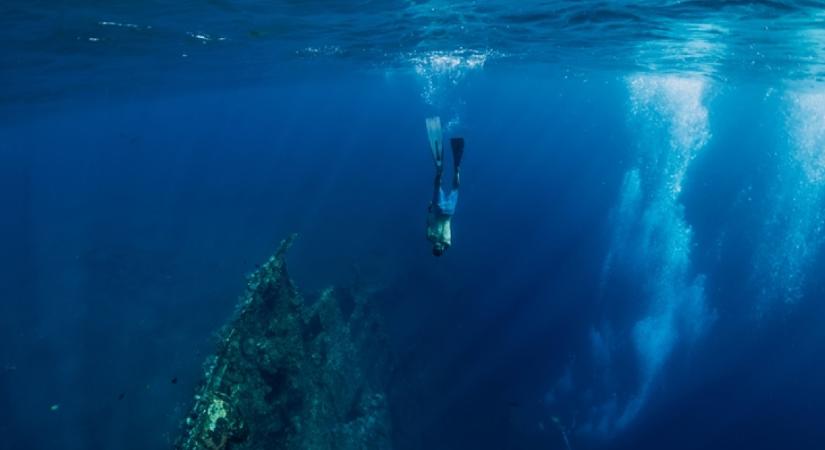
column 290, row 374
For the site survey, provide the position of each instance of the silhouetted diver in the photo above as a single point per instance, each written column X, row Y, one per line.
column 442, row 206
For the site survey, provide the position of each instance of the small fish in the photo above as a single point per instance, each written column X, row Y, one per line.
column 121, row 395
column 54, row 407
column 174, row 380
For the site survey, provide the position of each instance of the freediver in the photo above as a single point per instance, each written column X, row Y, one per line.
column 442, row 206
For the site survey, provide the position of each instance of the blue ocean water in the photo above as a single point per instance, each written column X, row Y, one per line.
column 636, row 251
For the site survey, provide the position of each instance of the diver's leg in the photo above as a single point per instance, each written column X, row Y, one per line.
column 437, row 183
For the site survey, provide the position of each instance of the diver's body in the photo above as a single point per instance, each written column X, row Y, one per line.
column 442, row 206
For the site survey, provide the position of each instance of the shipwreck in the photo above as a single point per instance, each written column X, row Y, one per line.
column 290, row 373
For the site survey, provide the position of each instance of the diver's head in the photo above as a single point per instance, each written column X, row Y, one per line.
column 438, row 249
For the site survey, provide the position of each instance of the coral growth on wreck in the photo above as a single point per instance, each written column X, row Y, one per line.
column 288, row 374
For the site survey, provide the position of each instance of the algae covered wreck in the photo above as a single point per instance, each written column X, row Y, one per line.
column 292, row 374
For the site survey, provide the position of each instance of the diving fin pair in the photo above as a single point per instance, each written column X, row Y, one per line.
column 435, row 136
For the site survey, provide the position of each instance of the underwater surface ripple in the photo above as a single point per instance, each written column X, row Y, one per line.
column 108, row 42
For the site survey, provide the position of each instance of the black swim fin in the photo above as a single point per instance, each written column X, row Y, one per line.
column 457, row 145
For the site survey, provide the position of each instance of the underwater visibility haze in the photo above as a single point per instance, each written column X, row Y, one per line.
column 635, row 258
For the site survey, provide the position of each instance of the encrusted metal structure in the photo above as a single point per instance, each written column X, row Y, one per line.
column 290, row 374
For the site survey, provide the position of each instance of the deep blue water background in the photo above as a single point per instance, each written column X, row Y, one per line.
column 133, row 205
